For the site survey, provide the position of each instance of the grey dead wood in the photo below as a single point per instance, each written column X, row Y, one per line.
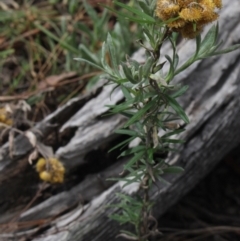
column 213, row 106
column 88, row 136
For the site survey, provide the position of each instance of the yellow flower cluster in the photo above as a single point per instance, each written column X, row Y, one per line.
column 50, row 170
column 4, row 117
column 189, row 16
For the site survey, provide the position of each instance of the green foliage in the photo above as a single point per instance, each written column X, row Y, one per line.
column 150, row 105
column 137, row 15
column 49, row 35
column 206, row 48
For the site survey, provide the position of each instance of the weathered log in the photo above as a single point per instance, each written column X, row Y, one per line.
column 213, row 105
column 90, row 136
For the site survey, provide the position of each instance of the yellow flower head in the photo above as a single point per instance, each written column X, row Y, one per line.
column 208, row 4
column 184, row 3
column 166, row 9
column 45, row 176
column 41, row 165
column 208, row 16
column 50, row 170
column 191, row 14
column 187, row 14
column 4, row 117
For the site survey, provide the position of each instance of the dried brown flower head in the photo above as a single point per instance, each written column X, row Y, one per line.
column 188, row 16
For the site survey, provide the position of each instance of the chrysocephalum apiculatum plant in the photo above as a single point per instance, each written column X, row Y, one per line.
column 150, row 98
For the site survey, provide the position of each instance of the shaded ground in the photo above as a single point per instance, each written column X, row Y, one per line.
column 38, row 43
column 211, row 211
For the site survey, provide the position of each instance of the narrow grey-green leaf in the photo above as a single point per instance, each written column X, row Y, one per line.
column 103, row 59
column 83, row 27
column 126, row 16
column 88, row 54
column 102, row 21
column 126, row 93
column 170, row 74
column 128, row 73
column 129, row 199
column 149, row 36
column 121, row 107
column 180, row 92
column 207, row 42
column 133, row 150
column 133, row 160
column 198, row 44
column 119, row 218
column 147, row 66
column 173, row 169
column 174, row 104
column 126, row 132
column 175, row 141
column 112, row 53
column 139, row 13
column 227, row 50
column 138, row 114
column 158, row 67
column 91, row 12
column 90, row 63
column 144, row 7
